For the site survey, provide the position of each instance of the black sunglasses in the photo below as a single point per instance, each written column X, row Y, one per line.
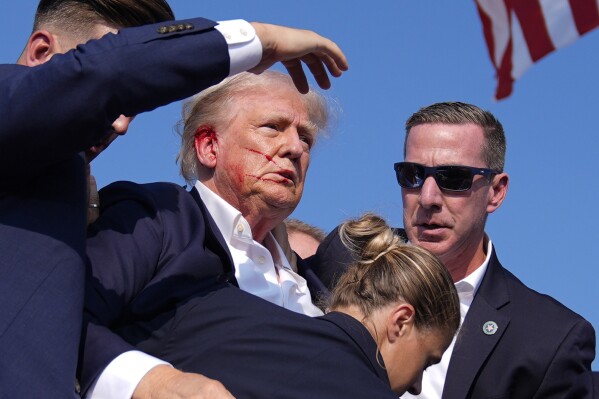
column 448, row 177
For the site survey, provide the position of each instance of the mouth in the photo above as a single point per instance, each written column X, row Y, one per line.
column 430, row 226
column 287, row 175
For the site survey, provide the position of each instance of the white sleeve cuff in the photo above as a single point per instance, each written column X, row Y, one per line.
column 120, row 378
column 245, row 48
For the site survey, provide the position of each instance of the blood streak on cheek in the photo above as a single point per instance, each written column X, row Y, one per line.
column 268, row 157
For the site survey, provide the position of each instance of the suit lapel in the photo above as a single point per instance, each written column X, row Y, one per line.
column 213, row 234
column 473, row 346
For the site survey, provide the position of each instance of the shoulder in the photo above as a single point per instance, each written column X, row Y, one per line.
column 149, row 194
column 536, row 301
column 125, row 203
column 9, row 70
column 540, row 313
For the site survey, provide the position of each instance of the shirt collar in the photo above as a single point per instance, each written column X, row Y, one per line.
column 231, row 223
column 226, row 217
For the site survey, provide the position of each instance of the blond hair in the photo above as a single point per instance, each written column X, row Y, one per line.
column 387, row 270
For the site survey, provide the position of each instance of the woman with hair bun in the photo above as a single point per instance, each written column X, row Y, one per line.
column 392, row 314
column 402, row 294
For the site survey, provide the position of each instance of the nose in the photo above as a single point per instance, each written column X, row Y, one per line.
column 293, row 147
column 430, row 194
column 121, row 124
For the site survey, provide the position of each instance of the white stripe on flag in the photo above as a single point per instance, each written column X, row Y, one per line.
column 560, row 22
column 521, row 59
column 497, row 12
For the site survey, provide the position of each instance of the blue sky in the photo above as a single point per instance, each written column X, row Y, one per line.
column 404, row 55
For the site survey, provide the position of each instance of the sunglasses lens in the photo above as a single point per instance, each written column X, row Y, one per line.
column 454, row 178
column 409, row 175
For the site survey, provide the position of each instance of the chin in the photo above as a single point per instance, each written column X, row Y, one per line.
column 282, row 202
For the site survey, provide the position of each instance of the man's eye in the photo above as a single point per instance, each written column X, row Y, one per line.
column 307, row 139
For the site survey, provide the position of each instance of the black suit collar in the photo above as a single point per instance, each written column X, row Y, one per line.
column 213, row 233
column 363, row 339
column 473, row 346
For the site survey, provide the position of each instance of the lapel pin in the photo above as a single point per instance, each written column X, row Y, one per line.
column 490, row 328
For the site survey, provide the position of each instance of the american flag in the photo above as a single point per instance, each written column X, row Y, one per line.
column 521, row 32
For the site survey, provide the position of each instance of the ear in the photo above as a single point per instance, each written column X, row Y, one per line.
column 498, row 191
column 41, row 46
column 400, row 321
column 206, row 145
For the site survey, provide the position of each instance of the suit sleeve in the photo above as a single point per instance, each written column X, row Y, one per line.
column 64, row 106
column 568, row 375
column 124, row 253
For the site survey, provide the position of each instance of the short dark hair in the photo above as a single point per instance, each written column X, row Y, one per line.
column 79, row 16
column 457, row 113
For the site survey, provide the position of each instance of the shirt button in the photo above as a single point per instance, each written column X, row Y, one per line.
column 240, row 228
column 261, row 259
column 243, row 32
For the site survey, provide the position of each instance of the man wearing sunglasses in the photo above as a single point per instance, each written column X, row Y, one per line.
column 514, row 342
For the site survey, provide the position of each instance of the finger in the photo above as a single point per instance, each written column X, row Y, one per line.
column 95, row 150
column 318, row 71
column 331, row 65
column 295, row 70
column 335, row 55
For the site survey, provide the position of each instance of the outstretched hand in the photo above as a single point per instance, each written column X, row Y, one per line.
column 292, row 46
column 166, row 382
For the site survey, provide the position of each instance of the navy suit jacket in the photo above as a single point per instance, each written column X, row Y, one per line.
column 154, row 247
column 260, row 350
column 541, row 348
column 50, row 113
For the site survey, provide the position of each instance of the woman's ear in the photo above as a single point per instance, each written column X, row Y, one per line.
column 206, row 145
column 41, row 46
column 400, row 321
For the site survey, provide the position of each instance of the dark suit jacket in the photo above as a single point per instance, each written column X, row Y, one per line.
column 49, row 114
column 260, row 350
column 541, row 349
column 154, row 247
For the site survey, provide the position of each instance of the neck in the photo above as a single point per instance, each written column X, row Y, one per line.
column 462, row 262
column 261, row 225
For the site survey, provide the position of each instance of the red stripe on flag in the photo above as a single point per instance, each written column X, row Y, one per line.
column 488, row 32
column 534, row 29
column 505, row 82
column 586, row 14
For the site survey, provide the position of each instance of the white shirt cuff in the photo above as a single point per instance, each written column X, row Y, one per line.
column 120, row 378
column 245, row 48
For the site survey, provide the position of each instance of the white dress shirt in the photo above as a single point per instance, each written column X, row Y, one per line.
column 433, row 378
column 260, row 271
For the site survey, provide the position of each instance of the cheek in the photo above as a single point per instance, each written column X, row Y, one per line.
column 410, row 203
column 239, row 174
column 304, row 165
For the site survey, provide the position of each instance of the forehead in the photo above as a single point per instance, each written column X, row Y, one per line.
column 272, row 102
column 443, row 144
